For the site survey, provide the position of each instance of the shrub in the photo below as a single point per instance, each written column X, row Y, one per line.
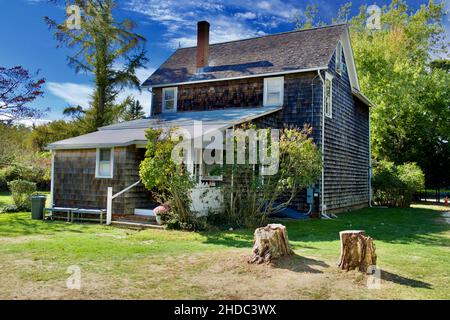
column 10, row 208
column 168, row 181
column 21, row 192
column 257, row 196
column 395, row 185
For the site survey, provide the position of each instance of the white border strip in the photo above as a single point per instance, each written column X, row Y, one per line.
column 236, row 78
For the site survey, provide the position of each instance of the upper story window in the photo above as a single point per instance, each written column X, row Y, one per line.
column 169, row 99
column 273, row 91
column 340, row 65
column 328, row 106
column 104, row 163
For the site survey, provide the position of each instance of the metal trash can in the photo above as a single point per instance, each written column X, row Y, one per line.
column 37, row 207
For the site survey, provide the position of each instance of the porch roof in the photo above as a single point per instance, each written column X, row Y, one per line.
column 133, row 132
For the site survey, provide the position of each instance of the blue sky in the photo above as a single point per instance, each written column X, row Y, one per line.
column 26, row 40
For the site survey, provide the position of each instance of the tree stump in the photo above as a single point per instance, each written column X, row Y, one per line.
column 357, row 251
column 270, row 243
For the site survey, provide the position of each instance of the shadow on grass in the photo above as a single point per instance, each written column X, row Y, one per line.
column 299, row 264
column 403, row 226
column 15, row 225
column 387, row 276
column 412, row 225
column 235, row 239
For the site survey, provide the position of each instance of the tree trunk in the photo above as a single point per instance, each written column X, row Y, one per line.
column 270, row 243
column 357, row 251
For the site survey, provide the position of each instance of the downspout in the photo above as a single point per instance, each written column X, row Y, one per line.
column 52, row 180
column 151, row 101
column 322, row 191
column 370, row 166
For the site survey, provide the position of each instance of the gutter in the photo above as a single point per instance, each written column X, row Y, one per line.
column 174, row 84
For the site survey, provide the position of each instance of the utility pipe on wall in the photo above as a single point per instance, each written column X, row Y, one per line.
column 322, row 191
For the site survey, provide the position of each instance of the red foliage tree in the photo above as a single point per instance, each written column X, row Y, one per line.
column 18, row 88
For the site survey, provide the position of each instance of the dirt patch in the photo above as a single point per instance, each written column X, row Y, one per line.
column 20, row 240
column 207, row 275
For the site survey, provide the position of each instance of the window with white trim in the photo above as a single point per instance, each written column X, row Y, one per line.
column 169, row 99
column 273, row 92
column 104, row 163
column 340, row 65
column 328, row 106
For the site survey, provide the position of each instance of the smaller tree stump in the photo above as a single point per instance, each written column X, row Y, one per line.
column 270, row 243
column 357, row 251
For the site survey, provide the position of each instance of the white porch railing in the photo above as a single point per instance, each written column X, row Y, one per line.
column 111, row 197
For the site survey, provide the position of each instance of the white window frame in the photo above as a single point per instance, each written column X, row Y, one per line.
column 97, row 164
column 339, row 58
column 328, row 111
column 266, row 91
column 175, row 98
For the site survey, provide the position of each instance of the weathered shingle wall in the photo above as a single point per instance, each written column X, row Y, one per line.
column 244, row 93
column 75, row 184
column 346, row 148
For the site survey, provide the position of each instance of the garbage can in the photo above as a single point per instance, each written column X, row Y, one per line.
column 37, row 207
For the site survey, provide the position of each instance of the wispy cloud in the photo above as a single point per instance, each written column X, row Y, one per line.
column 81, row 94
column 230, row 20
column 73, row 93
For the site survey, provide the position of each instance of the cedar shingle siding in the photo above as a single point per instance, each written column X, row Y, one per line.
column 346, row 133
column 75, row 184
column 346, row 148
column 346, row 137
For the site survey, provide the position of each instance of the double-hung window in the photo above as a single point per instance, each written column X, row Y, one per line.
column 340, row 66
column 104, row 163
column 328, row 105
column 169, row 99
column 273, row 91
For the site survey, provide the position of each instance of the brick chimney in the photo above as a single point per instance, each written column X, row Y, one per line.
column 202, row 44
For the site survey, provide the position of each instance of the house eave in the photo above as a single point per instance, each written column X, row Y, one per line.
column 363, row 98
column 85, row 146
column 280, row 73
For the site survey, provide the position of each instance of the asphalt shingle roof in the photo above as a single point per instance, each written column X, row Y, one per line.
column 133, row 132
column 283, row 52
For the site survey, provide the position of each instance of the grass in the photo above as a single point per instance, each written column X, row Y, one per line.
column 412, row 246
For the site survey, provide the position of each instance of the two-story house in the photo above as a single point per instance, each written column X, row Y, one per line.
column 293, row 78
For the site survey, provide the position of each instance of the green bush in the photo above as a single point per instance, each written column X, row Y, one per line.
column 35, row 169
column 395, row 185
column 21, row 192
column 10, row 208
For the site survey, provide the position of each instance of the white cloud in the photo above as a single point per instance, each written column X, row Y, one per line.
column 80, row 94
column 230, row 20
column 246, row 15
column 73, row 93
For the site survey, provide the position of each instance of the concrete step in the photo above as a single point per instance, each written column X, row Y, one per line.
column 136, row 225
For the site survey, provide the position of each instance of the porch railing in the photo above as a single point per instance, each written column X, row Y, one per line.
column 111, row 197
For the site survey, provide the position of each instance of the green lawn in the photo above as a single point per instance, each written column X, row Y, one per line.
column 413, row 248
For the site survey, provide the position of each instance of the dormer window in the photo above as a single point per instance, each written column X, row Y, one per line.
column 169, row 99
column 340, row 65
column 273, row 92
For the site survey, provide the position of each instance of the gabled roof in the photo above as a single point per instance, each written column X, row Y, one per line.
column 133, row 132
column 281, row 53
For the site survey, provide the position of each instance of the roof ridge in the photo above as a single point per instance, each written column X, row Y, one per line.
column 272, row 35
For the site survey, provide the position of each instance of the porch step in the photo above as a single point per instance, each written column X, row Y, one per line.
column 134, row 218
column 136, row 225
column 144, row 212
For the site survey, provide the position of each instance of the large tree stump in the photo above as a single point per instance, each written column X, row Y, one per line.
column 270, row 243
column 357, row 251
